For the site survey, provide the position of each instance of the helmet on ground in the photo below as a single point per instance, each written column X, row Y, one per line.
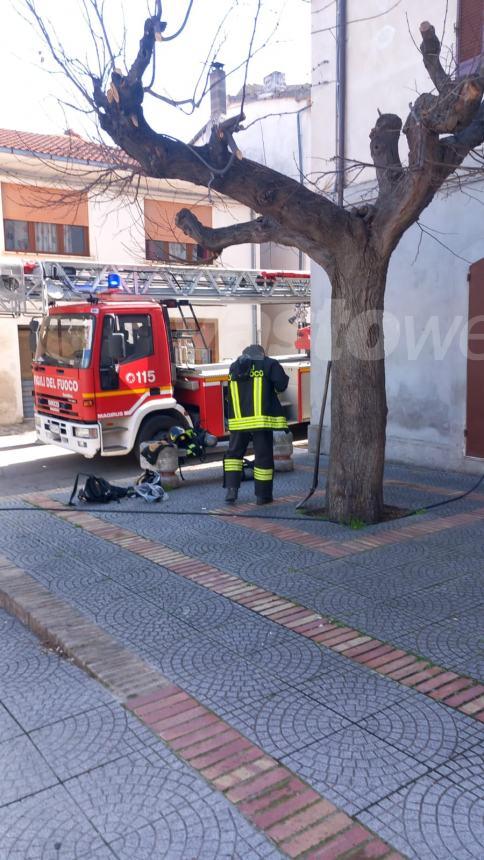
column 176, row 434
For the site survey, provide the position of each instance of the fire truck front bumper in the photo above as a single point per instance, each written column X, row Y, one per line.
column 84, row 439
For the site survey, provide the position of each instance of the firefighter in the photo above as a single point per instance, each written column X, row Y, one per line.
column 254, row 412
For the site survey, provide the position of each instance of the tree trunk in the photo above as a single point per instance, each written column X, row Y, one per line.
column 358, row 398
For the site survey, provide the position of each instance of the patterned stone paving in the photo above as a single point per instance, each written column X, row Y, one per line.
column 134, row 791
column 384, row 750
column 436, row 816
column 354, row 769
column 358, row 612
column 95, row 783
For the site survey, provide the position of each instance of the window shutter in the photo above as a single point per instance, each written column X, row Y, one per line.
column 160, row 220
column 44, row 205
column 470, row 34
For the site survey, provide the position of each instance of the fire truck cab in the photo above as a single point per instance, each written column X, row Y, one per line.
column 106, row 378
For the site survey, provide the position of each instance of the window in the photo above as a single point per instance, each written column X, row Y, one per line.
column 175, row 252
column 195, row 347
column 138, row 335
column 74, row 240
column 66, row 341
column 43, row 238
column 46, row 238
column 16, row 235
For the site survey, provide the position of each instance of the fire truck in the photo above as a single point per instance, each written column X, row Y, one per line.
column 111, row 371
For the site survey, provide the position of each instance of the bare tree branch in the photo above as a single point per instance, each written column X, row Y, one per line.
column 430, row 49
column 459, row 145
column 457, row 109
column 262, row 229
column 384, row 151
column 182, row 25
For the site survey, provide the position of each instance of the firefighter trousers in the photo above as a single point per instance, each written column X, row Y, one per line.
column 263, row 462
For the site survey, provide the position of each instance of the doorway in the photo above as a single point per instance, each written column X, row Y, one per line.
column 26, row 371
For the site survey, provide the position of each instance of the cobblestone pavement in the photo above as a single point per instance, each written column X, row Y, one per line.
column 394, row 758
column 82, row 778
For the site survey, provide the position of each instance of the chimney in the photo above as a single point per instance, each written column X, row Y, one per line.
column 218, row 95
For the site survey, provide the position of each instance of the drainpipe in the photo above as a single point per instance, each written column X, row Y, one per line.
column 255, row 324
column 252, row 246
column 300, row 159
column 341, row 26
column 255, row 315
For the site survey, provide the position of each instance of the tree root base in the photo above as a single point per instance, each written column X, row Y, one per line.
column 390, row 512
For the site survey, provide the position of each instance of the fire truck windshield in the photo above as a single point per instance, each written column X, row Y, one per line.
column 66, row 341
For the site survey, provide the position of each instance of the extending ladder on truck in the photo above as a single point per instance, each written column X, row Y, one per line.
column 36, row 284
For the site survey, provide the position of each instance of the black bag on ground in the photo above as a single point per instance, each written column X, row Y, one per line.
column 98, row 491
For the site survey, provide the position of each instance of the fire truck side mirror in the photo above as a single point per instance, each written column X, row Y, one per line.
column 116, row 346
column 34, row 326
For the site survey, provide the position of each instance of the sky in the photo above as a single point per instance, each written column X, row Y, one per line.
column 32, row 103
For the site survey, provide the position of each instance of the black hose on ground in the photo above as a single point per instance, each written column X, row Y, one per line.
column 233, row 515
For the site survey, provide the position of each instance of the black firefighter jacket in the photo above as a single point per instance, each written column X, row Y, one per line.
column 253, row 402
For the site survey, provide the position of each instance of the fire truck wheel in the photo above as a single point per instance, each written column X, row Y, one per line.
column 153, row 428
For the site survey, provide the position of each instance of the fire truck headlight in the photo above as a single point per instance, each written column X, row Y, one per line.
column 85, row 432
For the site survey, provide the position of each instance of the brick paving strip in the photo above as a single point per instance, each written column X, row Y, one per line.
column 411, row 485
column 299, row 820
column 457, row 691
column 343, row 549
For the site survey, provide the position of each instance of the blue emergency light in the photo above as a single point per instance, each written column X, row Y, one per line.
column 114, row 280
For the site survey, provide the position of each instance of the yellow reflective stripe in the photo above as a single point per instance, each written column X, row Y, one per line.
column 233, row 465
column 261, row 422
column 263, row 474
column 234, row 392
column 126, row 392
column 257, row 396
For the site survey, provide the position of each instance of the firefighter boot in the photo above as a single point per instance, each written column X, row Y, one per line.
column 261, row 501
column 231, row 495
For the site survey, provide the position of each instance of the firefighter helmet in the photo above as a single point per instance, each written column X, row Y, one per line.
column 176, row 434
column 255, row 352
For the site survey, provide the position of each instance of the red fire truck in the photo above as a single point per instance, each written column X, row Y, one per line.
column 106, row 375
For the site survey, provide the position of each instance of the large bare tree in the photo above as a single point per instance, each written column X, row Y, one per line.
column 353, row 246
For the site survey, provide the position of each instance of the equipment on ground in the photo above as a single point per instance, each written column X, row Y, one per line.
column 176, row 434
column 98, row 491
column 148, row 487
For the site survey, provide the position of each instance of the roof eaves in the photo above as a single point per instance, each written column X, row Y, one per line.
column 50, row 156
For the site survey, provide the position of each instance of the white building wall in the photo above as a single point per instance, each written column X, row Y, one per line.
column 278, row 334
column 116, row 230
column 426, row 325
column 271, row 133
column 384, row 72
column 273, row 136
column 10, row 384
column 426, row 318
column 224, row 213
